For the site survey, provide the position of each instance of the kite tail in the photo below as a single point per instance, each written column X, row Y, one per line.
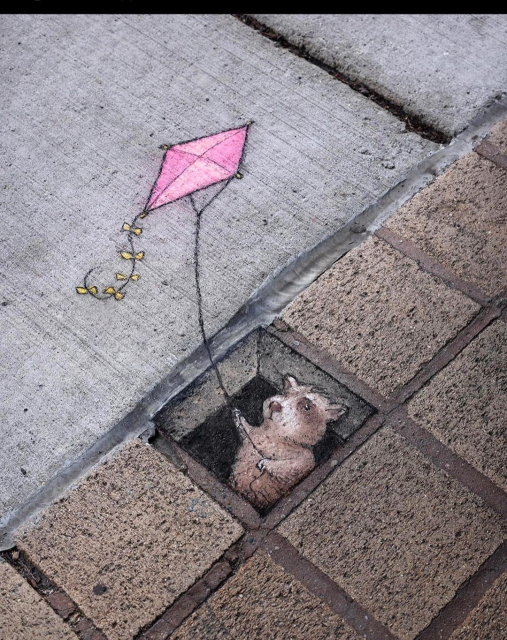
column 122, row 279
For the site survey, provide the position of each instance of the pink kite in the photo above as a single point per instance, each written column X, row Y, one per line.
column 187, row 168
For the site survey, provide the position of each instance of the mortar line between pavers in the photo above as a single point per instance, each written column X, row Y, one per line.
column 327, row 363
column 433, row 267
column 490, row 152
column 395, row 406
column 467, row 597
column 258, row 311
column 413, row 122
column 446, row 354
column 196, row 595
column 327, row 590
column 450, row 462
column 68, row 611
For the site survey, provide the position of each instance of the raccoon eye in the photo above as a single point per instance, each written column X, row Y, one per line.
column 307, row 406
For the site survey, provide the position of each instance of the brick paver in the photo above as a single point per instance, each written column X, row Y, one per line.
column 262, row 601
column 23, row 613
column 498, row 136
column 465, row 405
column 488, row 621
column 379, row 314
column 461, row 221
column 398, row 534
column 132, row 537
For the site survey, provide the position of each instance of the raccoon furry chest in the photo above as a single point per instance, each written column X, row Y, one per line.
column 277, row 454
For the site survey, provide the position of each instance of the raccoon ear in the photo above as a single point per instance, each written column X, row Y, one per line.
column 336, row 411
column 290, row 383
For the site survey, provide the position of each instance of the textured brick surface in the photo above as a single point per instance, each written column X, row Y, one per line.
column 461, row 221
column 498, row 136
column 465, row 405
column 262, row 601
column 380, row 314
column 132, row 537
column 23, row 613
column 395, row 532
column 488, row 621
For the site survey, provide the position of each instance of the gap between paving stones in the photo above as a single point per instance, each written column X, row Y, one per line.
column 468, row 596
column 413, row 122
column 56, row 598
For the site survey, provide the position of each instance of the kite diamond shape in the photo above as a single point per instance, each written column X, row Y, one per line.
column 186, row 168
column 198, row 164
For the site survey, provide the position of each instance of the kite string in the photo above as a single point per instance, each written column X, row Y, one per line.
column 199, row 301
column 235, row 413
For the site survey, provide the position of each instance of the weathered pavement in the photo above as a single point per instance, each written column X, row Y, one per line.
column 399, row 534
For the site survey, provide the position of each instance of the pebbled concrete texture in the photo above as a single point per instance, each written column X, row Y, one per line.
column 382, row 531
column 379, row 314
column 442, row 68
column 129, row 540
column 262, row 601
column 87, row 100
column 465, row 404
column 23, row 613
column 498, row 136
column 460, row 220
column 488, row 621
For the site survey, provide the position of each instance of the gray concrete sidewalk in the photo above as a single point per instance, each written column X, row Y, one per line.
column 441, row 68
column 87, row 100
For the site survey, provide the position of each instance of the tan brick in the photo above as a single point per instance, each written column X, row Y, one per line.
column 498, row 136
column 262, row 601
column 379, row 314
column 398, row 534
column 488, row 621
column 460, row 220
column 465, row 405
column 23, row 613
column 133, row 536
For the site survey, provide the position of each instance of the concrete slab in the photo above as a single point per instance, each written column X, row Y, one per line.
column 443, row 68
column 379, row 314
column 399, row 538
column 86, row 102
column 262, row 601
column 24, row 614
column 129, row 540
column 460, row 220
column 465, row 404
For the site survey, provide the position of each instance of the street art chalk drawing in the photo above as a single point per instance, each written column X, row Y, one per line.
column 187, row 168
column 279, row 453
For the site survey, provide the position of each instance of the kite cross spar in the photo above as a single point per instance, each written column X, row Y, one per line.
column 202, row 167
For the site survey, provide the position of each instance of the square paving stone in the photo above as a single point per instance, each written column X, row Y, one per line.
column 379, row 314
column 261, row 367
column 23, row 613
column 488, row 621
column 398, row 534
column 461, row 221
column 262, row 601
column 498, row 136
column 128, row 540
column 465, row 405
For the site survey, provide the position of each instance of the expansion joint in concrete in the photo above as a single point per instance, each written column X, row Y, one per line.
column 412, row 121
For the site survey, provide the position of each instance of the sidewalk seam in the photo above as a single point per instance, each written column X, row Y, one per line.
column 413, row 122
